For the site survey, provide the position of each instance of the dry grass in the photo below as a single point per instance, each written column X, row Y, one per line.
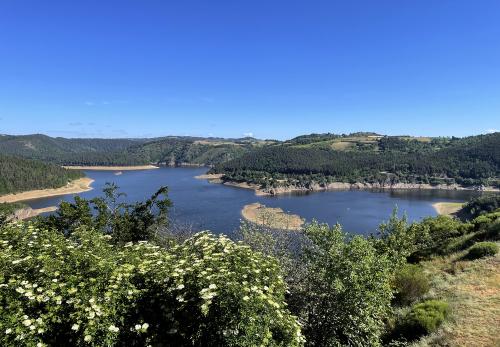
column 472, row 288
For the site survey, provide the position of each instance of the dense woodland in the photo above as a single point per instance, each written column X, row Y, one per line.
column 17, row 175
column 466, row 161
column 171, row 150
column 106, row 273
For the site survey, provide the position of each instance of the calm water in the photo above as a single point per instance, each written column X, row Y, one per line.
column 216, row 207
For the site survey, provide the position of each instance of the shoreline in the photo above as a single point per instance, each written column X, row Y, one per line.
column 28, row 212
column 272, row 217
column 447, row 208
column 217, row 178
column 111, row 168
column 74, row 187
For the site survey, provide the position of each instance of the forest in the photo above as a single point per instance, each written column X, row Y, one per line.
column 469, row 161
column 18, row 174
column 120, row 275
column 170, row 150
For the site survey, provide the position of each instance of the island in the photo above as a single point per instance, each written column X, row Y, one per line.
column 271, row 217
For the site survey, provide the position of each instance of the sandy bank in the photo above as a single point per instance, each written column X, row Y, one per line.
column 28, row 212
column 271, row 217
column 77, row 186
column 447, row 208
column 209, row 177
column 112, row 168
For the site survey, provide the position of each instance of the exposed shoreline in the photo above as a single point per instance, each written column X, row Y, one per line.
column 74, row 187
column 218, row 178
column 28, row 212
column 271, row 217
column 447, row 208
column 112, row 168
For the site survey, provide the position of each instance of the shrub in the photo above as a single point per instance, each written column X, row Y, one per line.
column 84, row 290
column 424, row 318
column 482, row 249
column 410, row 284
column 346, row 294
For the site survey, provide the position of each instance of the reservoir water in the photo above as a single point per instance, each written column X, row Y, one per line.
column 215, row 207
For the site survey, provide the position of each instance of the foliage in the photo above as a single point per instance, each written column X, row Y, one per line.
column 410, row 284
column 483, row 204
column 468, row 161
column 482, row 249
column 346, row 293
column 397, row 240
column 18, row 175
column 171, row 150
column 424, row 318
column 83, row 290
column 122, row 221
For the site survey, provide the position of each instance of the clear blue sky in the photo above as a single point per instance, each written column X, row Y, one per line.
column 275, row 69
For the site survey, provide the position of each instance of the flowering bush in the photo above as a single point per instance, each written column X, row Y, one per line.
column 84, row 290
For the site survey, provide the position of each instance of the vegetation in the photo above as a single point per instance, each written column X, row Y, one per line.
column 171, row 150
column 17, row 175
column 410, row 284
column 482, row 249
column 83, row 290
column 483, row 204
column 102, row 272
column 467, row 161
column 424, row 318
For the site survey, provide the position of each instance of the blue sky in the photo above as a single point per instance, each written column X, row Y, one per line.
column 274, row 69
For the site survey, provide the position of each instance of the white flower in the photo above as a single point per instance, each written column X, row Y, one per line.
column 145, row 326
column 75, row 327
column 180, row 286
column 212, row 286
column 87, row 338
column 113, row 328
column 8, row 331
column 246, row 298
column 27, row 322
column 137, row 327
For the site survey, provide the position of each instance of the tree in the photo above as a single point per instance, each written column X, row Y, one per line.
column 346, row 293
column 122, row 221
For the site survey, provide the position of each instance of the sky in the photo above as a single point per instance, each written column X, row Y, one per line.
column 269, row 69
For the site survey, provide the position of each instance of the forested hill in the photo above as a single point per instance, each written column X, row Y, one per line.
column 370, row 158
column 70, row 151
column 17, row 175
column 170, row 150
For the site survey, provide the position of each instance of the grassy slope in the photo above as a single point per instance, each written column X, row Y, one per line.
column 472, row 288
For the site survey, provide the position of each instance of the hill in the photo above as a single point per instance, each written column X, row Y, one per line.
column 170, row 150
column 369, row 158
column 18, row 175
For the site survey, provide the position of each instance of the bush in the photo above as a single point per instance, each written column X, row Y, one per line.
column 482, row 249
column 84, row 290
column 410, row 284
column 424, row 318
column 346, row 293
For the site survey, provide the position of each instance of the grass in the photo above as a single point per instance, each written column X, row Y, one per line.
column 472, row 288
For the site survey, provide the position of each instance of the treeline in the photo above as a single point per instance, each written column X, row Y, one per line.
column 94, row 152
column 468, row 161
column 17, row 175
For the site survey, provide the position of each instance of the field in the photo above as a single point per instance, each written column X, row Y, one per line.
column 472, row 288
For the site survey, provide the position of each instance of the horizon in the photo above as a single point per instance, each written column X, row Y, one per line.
column 270, row 71
column 251, row 137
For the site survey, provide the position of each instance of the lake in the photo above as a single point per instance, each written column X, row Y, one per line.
column 208, row 206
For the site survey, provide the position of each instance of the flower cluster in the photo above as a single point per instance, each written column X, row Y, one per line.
column 84, row 290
